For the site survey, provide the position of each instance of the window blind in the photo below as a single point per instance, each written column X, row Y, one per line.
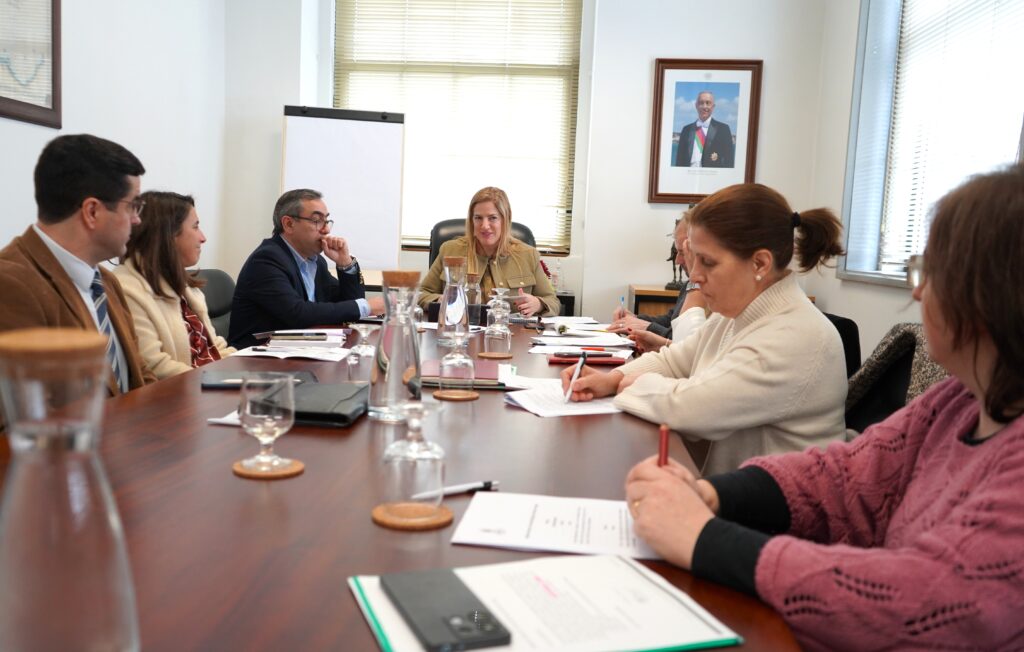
column 489, row 93
column 939, row 100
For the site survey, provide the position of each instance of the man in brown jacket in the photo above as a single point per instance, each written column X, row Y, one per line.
column 87, row 191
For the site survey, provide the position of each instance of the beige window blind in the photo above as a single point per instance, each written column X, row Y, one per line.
column 489, row 93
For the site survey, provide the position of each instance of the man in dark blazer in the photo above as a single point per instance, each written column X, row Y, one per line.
column 87, row 194
column 717, row 150
column 285, row 283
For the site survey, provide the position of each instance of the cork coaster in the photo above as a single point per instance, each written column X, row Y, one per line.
column 456, row 394
column 289, row 470
column 494, row 355
column 411, row 516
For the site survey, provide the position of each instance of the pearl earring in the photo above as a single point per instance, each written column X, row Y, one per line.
column 757, row 277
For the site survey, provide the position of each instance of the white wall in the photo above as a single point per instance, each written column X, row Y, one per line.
column 147, row 75
column 624, row 239
column 875, row 308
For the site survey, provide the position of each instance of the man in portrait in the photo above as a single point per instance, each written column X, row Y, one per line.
column 706, row 143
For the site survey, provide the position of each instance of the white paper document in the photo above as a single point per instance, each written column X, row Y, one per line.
column 548, row 400
column 575, row 321
column 533, row 522
column 570, row 604
column 230, row 419
column 507, row 376
column 596, row 339
column 283, row 352
column 330, row 332
column 432, row 326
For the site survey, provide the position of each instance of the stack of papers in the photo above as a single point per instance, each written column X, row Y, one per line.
column 291, row 351
column 571, row 604
column 590, row 339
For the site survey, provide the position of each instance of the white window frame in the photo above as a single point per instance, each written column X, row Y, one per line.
column 869, row 143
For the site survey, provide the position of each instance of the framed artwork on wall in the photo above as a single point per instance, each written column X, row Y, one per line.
column 703, row 127
column 30, row 61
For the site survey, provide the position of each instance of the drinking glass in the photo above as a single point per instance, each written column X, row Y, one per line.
column 267, row 411
column 363, row 348
column 498, row 336
column 413, row 473
column 418, row 318
column 457, row 371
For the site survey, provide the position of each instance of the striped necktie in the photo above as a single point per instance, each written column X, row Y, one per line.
column 99, row 300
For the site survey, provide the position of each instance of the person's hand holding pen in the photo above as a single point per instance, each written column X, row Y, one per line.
column 670, row 507
column 589, row 383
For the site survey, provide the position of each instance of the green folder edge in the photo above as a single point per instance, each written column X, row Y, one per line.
column 385, row 644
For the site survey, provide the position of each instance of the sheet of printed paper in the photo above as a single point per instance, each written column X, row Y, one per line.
column 597, row 339
column 533, row 522
column 548, row 400
column 282, row 352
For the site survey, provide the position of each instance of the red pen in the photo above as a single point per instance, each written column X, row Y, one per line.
column 592, row 348
column 663, row 445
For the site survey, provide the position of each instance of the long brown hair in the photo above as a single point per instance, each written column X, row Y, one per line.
column 750, row 216
column 974, row 265
column 504, row 208
column 151, row 247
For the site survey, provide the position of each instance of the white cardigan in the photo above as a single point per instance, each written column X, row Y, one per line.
column 772, row 380
column 163, row 336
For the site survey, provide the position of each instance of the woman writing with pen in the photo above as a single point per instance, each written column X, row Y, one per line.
column 909, row 536
column 766, row 372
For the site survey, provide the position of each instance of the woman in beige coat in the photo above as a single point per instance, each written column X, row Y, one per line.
column 171, row 319
column 499, row 259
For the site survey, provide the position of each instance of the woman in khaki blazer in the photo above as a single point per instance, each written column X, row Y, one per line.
column 499, row 259
column 167, row 305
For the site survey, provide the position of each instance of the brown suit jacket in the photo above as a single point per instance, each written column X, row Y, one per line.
column 35, row 291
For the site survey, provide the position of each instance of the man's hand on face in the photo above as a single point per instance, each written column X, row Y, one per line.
column 336, row 249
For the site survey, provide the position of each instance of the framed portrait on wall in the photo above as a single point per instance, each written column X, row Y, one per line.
column 30, row 61
column 703, row 127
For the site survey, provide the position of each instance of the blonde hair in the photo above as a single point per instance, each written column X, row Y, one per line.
column 506, row 243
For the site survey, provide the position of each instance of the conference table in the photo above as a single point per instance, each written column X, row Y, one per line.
column 225, row 563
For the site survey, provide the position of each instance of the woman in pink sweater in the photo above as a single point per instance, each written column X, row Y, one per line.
column 912, row 535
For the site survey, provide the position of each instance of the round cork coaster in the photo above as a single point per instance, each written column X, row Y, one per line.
column 411, row 516
column 456, row 395
column 494, row 355
column 293, row 468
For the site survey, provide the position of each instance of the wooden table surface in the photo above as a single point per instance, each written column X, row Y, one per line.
column 223, row 563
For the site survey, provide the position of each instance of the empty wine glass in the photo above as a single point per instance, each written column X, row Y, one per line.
column 267, row 411
column 498, row 336
column 363, row 348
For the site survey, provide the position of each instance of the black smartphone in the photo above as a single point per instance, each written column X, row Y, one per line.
column 442, row 611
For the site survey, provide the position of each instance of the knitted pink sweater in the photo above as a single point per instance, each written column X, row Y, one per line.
column 909, row 538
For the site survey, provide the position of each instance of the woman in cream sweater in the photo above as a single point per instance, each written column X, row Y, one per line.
column 766, row 372
column 171, row 319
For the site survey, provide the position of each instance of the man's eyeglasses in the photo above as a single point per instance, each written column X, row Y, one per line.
column 136, row 204
column 319, row 221
column 915, row 271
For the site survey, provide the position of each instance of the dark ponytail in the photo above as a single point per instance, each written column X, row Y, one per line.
column 750, row 216
column 817, row 238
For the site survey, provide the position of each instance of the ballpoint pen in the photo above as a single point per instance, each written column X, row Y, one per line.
column 575, row 375
column 469, row 487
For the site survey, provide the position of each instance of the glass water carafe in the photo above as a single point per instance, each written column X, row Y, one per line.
column 395, row 378
column 452, row 315
column 65, row 581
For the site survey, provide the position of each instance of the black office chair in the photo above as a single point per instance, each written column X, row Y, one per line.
column 446, row 230
column 896, row 372
column 850, row 335
column 219, row 290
